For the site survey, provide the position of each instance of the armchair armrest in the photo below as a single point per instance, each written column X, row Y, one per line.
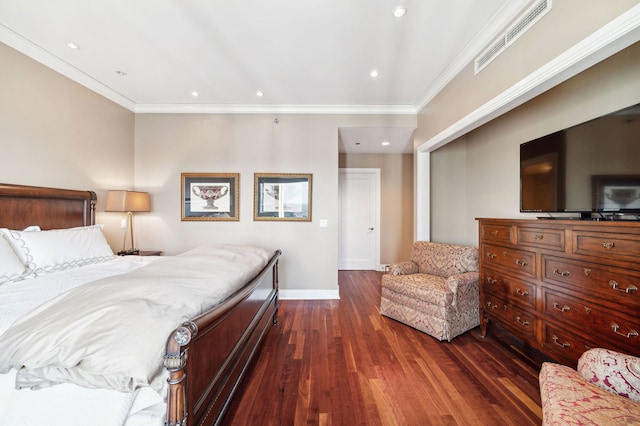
column 455, row 282
column 403, row 268
column 611, row 371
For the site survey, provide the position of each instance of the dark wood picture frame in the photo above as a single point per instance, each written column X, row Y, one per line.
column 282, row 197
column 210, row 196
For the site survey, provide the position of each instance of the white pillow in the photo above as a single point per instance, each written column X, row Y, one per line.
column 11, row 268
column 58, row 249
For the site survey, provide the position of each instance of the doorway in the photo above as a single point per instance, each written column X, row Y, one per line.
column 359, row 219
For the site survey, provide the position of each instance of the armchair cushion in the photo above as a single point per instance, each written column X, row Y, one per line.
column 444, row 260
column 612, row 371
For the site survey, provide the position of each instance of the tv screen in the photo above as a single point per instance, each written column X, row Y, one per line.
column 591, row 167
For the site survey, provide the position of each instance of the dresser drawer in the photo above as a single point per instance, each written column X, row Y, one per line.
column 514, row 260
column 611, row 245
column 512, row 289
column 520, row 321
column 564, row 345
column 591, row 319
column 552, row 239
column 496, row 233
column 615, row 284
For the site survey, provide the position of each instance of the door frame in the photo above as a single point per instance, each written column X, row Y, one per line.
column 375, row 173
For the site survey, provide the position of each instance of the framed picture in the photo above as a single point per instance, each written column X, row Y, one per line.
column 282, row 196
column 210, row 196
column 616, row 192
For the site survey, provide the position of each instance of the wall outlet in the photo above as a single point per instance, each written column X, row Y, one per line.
column 123, row 224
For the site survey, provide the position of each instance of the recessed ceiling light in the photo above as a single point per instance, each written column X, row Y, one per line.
column 259, row 93
column 195, row 94
column 122, row 73
column 385, row 143
column 373, row 73
column 399, row 11
column 72, row 46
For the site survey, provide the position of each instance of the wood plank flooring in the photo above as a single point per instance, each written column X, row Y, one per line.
column 342, row 363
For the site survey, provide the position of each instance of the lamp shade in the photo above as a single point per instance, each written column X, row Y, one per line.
column 127, row 201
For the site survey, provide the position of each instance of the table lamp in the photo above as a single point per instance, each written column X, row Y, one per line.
column 129, row 202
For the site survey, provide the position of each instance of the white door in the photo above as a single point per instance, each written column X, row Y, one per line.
column 358, row 219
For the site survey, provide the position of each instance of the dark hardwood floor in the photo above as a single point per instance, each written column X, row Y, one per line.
column 342, row 363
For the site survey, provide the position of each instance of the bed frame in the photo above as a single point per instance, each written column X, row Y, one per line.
column 207, row 356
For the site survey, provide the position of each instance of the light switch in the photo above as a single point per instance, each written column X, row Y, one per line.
column 324, row 223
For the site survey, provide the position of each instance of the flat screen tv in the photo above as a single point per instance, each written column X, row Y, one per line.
column 591, row 167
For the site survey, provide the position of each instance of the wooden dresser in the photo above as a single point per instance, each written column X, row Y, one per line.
column 562, row 286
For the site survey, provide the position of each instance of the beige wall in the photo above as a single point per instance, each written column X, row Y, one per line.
column 169, row 144
column 396, row 194
column 568, row 22
column 489, row 156
column 56, row 133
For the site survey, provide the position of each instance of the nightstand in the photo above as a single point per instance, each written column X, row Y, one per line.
column 142, row 253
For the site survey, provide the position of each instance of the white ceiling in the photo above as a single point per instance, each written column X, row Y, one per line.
column 306, row 56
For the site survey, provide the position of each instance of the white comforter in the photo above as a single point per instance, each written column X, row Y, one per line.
column 110, row 333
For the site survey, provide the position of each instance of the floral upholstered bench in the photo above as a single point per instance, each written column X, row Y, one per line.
column 435, row 292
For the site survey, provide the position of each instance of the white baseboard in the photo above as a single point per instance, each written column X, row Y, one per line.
column 308, row 294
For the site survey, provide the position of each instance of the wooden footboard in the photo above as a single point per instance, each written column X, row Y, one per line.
column 207, row 356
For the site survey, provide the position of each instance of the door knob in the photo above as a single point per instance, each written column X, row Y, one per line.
column 370, row 229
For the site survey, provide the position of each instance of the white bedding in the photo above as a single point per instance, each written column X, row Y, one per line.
column 50, row 405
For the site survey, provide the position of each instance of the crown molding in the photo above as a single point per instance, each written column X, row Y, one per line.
column 273, row 109
column 48, row 59
column 615, row 36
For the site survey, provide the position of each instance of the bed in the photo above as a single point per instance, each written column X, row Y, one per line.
column 204, row 356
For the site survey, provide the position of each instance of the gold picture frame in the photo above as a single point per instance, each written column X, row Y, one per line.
column 282, row 197
column 616, row 192
column 210, row 196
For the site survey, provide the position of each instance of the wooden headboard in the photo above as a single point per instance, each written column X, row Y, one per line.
column 49, row 208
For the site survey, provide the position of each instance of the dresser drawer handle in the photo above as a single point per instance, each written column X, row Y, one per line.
column 565, row 308
column 492, row 306
column 538, row 237
column 608, row 245
column 521, row 293
column 521, row 262
column 562, row 345
column 494, row 233
column 492, row 255
column 632, row 333
column 492, row 280
column 519, row 321
column 630, row 289
column 561, row 273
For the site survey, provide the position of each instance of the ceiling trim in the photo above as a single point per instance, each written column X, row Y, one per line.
column 23, row 45
column 274, row 109
column 499, row 21
column 618, row 34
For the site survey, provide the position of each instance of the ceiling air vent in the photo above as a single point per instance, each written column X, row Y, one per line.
column 525, row 21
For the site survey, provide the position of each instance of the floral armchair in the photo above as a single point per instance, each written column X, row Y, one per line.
column 435, row 292
column 605, row 390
